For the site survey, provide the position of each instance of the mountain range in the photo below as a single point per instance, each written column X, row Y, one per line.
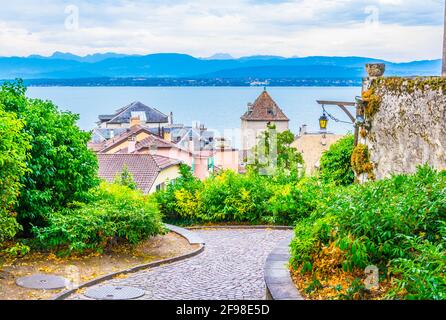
column 220, row 66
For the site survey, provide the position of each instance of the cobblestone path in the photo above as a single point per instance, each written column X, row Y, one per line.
column 230, row 268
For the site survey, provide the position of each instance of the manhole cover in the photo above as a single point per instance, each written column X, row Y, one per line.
column 43, row 282
column 114, row 293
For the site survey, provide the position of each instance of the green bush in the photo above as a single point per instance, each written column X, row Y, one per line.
column 233, row 197
column 61, row 168
column 293, row 202
column 8, row 226
column 336, row 163
column 225, row 197
column 397, row 224
column 14, row 145
column 174, row 211
column 112, row 213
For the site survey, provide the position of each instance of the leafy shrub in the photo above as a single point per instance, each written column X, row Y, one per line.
column 113, row 213
column 336, row 162
column 225, row 197
column 295, row 201
column 17, row 250
column 14, row 145
column 397, row 224
column 179, row 202
column 233, row 197
column 8, row 226
column 62, row 169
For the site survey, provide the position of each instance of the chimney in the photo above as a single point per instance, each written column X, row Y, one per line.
column 303, row 130
column 170, row 118
column 135, row 121
column 112, row 134
column 132, row 146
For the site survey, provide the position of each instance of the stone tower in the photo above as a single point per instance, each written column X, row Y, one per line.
column 260, row 114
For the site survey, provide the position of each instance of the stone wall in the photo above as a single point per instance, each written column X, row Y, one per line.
column 405, row 124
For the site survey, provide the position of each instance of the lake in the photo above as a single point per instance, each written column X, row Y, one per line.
column 219, row 108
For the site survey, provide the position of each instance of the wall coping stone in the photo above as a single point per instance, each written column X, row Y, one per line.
column 279, row 284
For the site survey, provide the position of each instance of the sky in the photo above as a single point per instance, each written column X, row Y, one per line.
column 395, row 30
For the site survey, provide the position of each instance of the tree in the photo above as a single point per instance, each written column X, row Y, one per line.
column 126, row 179
column 61, row 167
column 274, row 153
column 14, row 146
column 336, row 162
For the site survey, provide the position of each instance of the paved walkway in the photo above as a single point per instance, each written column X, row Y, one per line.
column 230, row 268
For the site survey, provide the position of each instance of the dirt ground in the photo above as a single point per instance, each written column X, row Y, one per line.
column 84, row 268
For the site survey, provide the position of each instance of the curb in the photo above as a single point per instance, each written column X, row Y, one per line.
column 279, row 285
column 188, row 235
column 240, row 227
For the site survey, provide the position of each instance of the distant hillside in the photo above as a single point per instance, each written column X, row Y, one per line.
column 111, row 65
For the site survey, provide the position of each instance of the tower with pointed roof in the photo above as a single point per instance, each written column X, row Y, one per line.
column 263, row 112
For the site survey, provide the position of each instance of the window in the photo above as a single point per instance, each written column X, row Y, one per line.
column 211, row 164
column 161, row 187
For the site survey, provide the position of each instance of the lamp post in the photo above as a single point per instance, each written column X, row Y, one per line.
column 355, row 121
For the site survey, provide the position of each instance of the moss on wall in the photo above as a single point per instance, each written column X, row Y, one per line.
column 409, row 85
column 363, row 133
column 372, row 102
column 399, row 86
column 361, row 161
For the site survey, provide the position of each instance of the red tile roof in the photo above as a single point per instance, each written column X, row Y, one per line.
column 144, row 167
column 151, row 140
column 265, row 109
column 95, row 147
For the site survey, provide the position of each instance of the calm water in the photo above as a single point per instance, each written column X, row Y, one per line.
column 219, row 108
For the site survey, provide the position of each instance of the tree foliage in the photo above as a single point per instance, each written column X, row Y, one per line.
column 336, row 164
column 125, row 178
column 274, row 154
column 14, row 145
column 61, row 168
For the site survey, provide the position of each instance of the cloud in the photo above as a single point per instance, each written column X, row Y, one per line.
column 392, row 29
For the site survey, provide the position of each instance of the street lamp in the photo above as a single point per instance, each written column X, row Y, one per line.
column 323, row 122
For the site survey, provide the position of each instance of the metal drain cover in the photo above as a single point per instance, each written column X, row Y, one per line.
column 114, row 293
column 43, row 282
